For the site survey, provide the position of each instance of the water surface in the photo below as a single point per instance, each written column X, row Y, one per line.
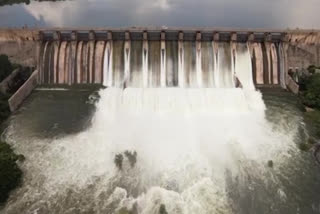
column 69, row 164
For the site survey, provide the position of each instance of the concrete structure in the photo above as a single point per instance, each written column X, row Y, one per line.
column 76, row 56
column 23, row 92
column 103, row 55
column 5, row 84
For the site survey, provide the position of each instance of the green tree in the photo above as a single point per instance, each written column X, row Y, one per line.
column 311, row 96
column 5, row 67
column 10, row 174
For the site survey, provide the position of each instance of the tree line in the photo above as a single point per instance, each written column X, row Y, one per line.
column 11, row 2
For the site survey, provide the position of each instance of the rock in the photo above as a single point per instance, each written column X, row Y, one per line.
column 21, row 158
column 312, row 141
column 308, row 109
column 316, row 153
column 118, row 159
column 132, row 157
column 304, row 147
column 270, row 163
column 162, row 209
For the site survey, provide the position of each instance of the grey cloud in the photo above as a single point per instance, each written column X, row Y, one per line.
column 224, row 13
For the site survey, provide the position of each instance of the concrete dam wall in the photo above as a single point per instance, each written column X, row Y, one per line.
column 160, row 58
column 80, row 56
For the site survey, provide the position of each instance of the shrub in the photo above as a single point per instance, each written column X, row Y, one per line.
column 312, row 69
column 4, row 107
column 311, row 96
column 163, row 209
column 304, row 147
column 6, row 67
column 10, row 174
column 303, row 81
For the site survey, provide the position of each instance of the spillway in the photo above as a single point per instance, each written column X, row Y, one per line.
column 189, row 111
column 164, row 62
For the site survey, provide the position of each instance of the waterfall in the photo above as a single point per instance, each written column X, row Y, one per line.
column 126, row 62
column 163, row 73
column 182, row 64
column 44, row 61
column 162, row 64
column 282, row 66
column 190, row 111
column 172, row 64
column 118, row 64
column 107, row 65
column 181, row 72
column 99, row 62
column 274, row 64
column 243, row 65
column 85, row 64
column 62, row 61
column 225, row 66
column 79, row 62
column 145, row 60
column 198, row 64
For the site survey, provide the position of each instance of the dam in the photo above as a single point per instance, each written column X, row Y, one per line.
column 160, row 58
column 118, row 107
column 182, row 124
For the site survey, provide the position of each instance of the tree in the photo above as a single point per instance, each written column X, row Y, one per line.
column 10, row 174
column 311, row 96
column 5, row 67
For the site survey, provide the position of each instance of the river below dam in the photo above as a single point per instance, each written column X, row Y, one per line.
column 196, row 151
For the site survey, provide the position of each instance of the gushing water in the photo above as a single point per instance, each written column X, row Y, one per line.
column 189, row 142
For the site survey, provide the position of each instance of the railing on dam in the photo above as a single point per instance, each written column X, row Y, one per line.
column 155, row 35
column 141, row 58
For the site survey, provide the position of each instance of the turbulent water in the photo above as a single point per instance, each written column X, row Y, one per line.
column 199, row 150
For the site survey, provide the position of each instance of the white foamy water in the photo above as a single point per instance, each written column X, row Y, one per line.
column 186, row 141
column 191, row 143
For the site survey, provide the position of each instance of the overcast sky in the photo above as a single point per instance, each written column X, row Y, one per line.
column 211, row 13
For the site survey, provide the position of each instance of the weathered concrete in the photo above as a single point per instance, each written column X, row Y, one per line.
column 20, row 45
column 5, row 84
column 20, row 52
column 299, row 48
column 301, row 55
column 19, row 34
column 23, row 92
column 292, row 85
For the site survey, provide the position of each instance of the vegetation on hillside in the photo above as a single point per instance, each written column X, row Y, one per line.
column 11, row 2
column 4, row 107
column 310, row 92
column 5, row 67
column 309, row 84
column 10, row 173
